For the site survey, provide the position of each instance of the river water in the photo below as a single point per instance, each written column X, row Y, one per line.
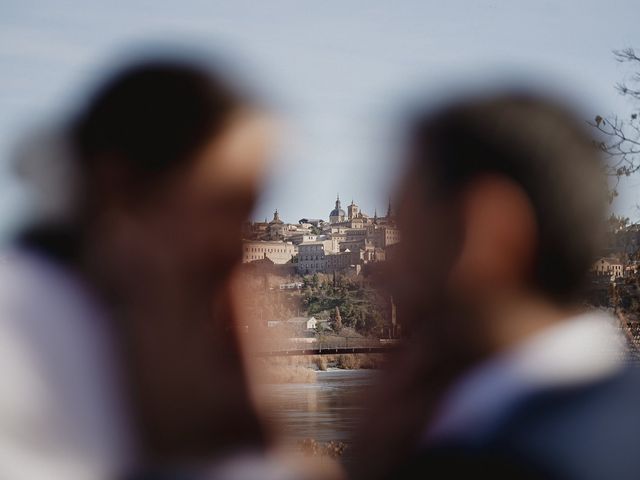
column 325, row 410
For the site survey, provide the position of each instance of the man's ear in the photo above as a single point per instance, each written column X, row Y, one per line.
column 499, row 236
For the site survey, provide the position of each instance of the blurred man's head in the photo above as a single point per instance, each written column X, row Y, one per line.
column 504, row 199
column 169, row 153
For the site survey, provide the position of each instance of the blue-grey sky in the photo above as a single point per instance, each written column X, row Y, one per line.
column 335, row 71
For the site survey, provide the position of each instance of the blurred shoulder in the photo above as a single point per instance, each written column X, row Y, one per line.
column 591, row 431
column 32, row 284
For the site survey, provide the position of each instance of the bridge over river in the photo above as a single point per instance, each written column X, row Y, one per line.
column 286, row 347
column 326, row 351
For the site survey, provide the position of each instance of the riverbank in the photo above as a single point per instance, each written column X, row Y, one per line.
column 303, row 368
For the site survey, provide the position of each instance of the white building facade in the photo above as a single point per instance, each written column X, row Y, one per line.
column 278, row 252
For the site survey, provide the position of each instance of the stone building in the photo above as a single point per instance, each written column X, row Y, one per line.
column 353, row 210
column 276, row 227
column 340, row 261
column 311, row 256
column 278, row 252
column 350, row 239
column 609, row 266
column 390, row 236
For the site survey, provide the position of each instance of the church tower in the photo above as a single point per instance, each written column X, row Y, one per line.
column 353, row 210
column 337, row 214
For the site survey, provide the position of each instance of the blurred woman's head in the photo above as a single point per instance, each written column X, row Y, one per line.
column 170, row 157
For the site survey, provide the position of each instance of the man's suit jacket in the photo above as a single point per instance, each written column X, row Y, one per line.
column 590, row 432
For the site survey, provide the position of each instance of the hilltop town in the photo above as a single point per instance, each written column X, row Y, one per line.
column 344, row 244
column 315, row 280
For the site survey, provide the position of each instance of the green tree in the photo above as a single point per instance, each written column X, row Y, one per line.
column 337, row 320
column 355, row 303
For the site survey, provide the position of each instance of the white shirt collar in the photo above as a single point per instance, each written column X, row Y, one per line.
column 577, row 351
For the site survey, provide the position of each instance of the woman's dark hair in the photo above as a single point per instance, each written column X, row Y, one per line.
column 149, row 119
column 542, row 148
column 152, row 117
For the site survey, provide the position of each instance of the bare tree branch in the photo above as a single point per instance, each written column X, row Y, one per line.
column 621, row 138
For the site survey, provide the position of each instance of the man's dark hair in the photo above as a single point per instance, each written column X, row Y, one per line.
column 152, row 116
column 541, row 147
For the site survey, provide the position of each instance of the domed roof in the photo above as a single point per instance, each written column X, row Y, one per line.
column 337, row 212
column 276, row 219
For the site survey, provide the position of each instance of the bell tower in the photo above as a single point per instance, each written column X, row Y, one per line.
column 353, row 210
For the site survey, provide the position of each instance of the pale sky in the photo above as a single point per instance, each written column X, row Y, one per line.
column 336, row 72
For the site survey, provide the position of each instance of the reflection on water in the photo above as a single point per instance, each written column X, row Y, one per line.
column 325, row 410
